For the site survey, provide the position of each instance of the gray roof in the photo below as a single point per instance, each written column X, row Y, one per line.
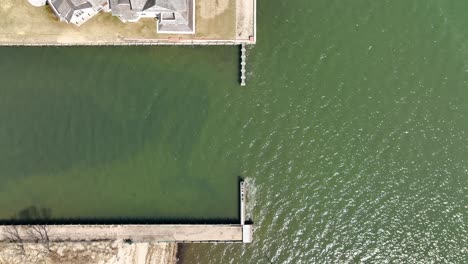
column 176, row 15
column 141, row 5
column 66, row 8
column 125, row 7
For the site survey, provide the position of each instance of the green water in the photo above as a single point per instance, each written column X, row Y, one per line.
column 352, row 133
column 118, row 133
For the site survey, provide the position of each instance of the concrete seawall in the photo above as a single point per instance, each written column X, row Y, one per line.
column 135, row 42
column 183, row 233
column 136, row 233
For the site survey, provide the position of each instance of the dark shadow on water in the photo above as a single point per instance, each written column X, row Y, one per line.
column 37, row 215
column 118, row 221
column 239, row 180
column 181, row 250
column 239, row 62
column 34, row 212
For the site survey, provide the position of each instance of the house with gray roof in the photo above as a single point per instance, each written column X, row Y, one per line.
column 172, row 16
column 77, row 12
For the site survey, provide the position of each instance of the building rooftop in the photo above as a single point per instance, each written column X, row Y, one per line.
column 173, row 16
column 66, row 8
column 76, row 11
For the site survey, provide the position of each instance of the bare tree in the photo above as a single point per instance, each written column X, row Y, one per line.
column 40, row 234
column 13, row 235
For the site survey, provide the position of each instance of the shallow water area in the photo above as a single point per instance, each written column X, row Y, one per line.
column 116, row 133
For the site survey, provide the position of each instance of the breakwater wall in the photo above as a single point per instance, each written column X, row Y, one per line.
column 136, row 42
column 183, row 233
column 134, row 233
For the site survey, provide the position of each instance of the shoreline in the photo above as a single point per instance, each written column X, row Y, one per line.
column 133, row 233
column 111, row 252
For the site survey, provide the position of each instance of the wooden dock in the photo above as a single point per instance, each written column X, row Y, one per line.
column 243, row 64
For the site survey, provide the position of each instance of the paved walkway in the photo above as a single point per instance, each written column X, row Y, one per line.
column 138, row 233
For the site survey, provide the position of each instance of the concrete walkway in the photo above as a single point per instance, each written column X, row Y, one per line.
column 137, row 233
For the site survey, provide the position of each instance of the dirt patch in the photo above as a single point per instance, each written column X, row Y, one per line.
column 6, row 6
column 116, row 252
column 214, row 8
column 245, row 19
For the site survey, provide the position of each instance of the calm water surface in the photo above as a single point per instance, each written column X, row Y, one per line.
column 352, row 133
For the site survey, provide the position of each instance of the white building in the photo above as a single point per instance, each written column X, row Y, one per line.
column 172, row 16
column 77, row 12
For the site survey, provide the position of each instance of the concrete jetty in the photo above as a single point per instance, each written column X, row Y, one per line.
column 247, row 227
column 183, row 233
column 242, row 203
column 135, row 233
column 243, row 64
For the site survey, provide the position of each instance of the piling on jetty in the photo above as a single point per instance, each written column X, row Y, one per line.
column 134, row 233
column 243, row 64
column 247, row 228
column 242, row 203
column 222, row 233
